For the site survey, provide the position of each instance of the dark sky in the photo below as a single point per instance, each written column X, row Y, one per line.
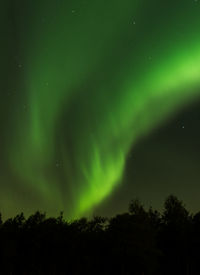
column 99, row 104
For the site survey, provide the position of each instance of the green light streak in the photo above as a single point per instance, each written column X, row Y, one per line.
column 95, row 83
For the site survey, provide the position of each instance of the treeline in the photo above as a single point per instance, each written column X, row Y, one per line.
column 139, row 242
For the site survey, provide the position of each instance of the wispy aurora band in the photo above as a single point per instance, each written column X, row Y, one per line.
column 95, row 83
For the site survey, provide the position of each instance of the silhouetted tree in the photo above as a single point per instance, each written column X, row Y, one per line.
column 174, row 235
column 139, row 242
column 136, row 208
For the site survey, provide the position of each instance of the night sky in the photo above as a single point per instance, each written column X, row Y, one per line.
column 99, row 104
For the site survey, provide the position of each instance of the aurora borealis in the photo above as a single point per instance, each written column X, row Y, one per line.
column 82, row 82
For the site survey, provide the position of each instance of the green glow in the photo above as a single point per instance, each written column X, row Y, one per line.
column 98, row 75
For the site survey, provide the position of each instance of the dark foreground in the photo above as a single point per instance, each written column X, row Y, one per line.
column 139, row 242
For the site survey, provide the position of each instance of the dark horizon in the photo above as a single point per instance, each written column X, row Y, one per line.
column 138, row 242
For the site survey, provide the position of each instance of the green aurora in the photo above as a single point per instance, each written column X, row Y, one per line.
column 93, row 78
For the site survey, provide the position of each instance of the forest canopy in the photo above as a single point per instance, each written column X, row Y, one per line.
column 140, row 241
